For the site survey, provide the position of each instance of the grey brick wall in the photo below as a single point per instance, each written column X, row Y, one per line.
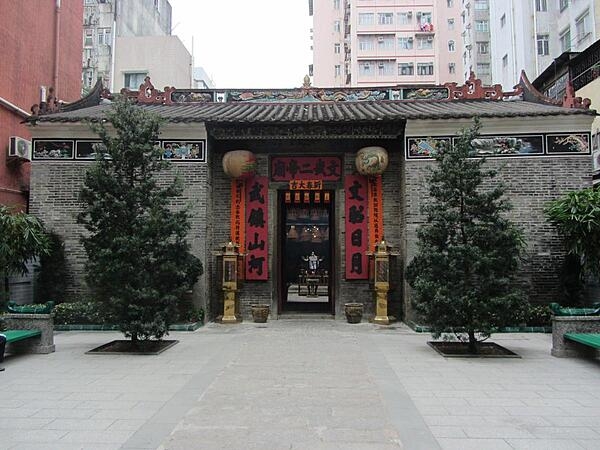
column 55, row 188
column 530, row 184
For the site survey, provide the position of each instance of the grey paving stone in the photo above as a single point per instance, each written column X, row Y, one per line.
column 543, row 444
column 474, row 444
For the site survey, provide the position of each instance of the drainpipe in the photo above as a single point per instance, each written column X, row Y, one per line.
column 56, row 46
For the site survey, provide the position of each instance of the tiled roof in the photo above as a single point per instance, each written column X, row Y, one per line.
column 320, row 112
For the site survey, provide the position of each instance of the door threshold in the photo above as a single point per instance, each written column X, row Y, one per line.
column 305, row 315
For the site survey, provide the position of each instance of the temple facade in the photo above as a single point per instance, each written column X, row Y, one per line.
column 308, row 180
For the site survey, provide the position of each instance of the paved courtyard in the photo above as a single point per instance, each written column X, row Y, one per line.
column 298, row 384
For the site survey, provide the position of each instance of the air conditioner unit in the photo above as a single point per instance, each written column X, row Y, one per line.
column 418, row 14
column 367, row 66
column 19, row 147
column 380, row 39
column 430, row 39
column 381, row 65
column 410, row 39
column 409, row 14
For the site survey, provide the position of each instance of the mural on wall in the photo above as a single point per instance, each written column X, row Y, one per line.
column 184, row 150
column 357, row 194
column 568, row 143
column 508, row 145
column 257, row 220
column 90, row 150
column 53, row 149
column 87, row 149
column 505, row 146
column 596, row 151
column 287, row 168
column 425, row 147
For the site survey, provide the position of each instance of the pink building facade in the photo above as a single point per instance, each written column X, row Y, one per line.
column 381, row 42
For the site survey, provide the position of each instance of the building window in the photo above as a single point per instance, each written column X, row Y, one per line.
column 582, row 25
column 464, row 18
column 406, row 69
column 503, row 20
column 365, row 68
column 385, row 18
column 482, row 25
column 104, row 36
column 134, row 80
column 337, row 26
column 336, row 4
column 385, row 68
column 543, row 46
column 157, row 5
column 338, row 70
column 405, row 18
column 88, row 38
column 425, row 42
column 90, row 2
column 483, row 48
column 385, row 42
column 451, row 24
column 365, row 43
column 451, row 68
column 405, row 43
column 425, row 21
column 481, row 4
column 563, row 4
column 565, row 40
column 366, row 19
column 337, row 49
column 483, row 69
column 541, row 5
column 450, row 3
column 425, row 68
column 505, row 60
column 451, row 46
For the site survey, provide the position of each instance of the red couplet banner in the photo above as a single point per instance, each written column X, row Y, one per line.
column 375, row 211
column 238, row 216
column 257, row 222
column 356, row 195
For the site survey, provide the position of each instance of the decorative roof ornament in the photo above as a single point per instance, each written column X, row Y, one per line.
column 306, row 83
column 148, row 94
column 530, row 93
column 473, row 89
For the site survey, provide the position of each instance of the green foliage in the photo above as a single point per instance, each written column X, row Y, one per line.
column 538, row 316
column 51, row 272
column 84, row 312
column 22, row 237
column 139, row 263
column 464, row 273
column 576, row 216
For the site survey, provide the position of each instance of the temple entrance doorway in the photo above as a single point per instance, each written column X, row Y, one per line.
column 306, row 244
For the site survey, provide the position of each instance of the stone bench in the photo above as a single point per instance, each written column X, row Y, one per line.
column 562, row 346
column 43, row 324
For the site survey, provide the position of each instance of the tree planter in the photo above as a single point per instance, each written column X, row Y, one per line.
column 260, row 313
column 354, row 312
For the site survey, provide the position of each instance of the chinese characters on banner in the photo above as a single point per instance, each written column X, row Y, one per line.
column 356, row 192
column 257, row 221
column 375, row 211
column 286, row 168
column 238, row 213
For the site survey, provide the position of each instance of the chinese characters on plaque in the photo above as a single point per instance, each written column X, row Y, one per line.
column 257, row 219
column 356, row 192
column 324, row 168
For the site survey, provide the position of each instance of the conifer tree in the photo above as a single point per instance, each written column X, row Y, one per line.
column 464, row 274
column 139, row 262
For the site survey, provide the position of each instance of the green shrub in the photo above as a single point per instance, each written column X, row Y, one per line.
column 84, row 312
column 538, row 316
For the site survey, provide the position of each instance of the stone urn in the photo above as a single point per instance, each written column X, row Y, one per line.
column 260, row 313
column 354, row 312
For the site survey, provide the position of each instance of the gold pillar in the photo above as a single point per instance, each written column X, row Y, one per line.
column 230, row 282
column 382, row 283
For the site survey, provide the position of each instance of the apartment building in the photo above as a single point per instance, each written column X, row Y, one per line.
column 475, row 39
column 103, row 22
column 381, row 42
column 529, row 35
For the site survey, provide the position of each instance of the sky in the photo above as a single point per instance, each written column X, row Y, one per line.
column 247, row 44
